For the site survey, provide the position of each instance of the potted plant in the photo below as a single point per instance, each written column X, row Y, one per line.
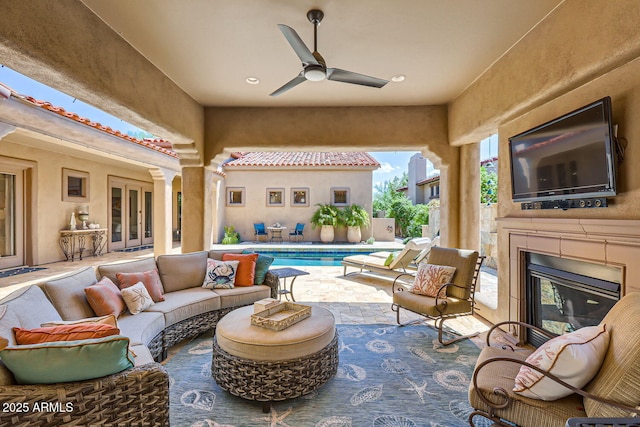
column 354, row 217
column 325, row 217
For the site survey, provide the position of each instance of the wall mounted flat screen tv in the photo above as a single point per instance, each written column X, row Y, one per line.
column 570, row 157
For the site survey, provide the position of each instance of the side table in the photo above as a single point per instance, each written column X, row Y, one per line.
column 70, row 240
column 283, row 273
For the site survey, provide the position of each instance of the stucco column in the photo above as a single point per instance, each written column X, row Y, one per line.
column 470, row 196
column 449, row 205
column 162, row 210
column 193, row 209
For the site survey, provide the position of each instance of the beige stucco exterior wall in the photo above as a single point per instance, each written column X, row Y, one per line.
column 51, row 213
column 319, row 181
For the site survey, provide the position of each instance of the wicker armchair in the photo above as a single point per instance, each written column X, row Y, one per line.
column 134, row 397
column 614, row 392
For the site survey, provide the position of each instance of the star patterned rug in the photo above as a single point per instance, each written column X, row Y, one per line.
column 388, row 376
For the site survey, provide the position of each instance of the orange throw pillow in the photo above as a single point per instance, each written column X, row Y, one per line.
column 150, row 279
column 104, row 298
column 246, row 269
column 63, row 333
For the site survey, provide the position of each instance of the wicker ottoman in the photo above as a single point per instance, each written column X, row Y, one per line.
column 260, row 364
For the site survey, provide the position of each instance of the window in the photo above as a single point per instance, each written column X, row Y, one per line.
column 235, row 196
column 340, row 196
column 299, row 197
column 275, row 196
column 75, row 186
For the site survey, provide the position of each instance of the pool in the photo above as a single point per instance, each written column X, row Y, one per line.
column 313, row 258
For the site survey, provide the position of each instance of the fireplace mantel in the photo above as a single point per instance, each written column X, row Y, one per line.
column 612, row 242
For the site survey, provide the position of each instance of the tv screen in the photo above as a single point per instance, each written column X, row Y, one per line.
column 570, row 157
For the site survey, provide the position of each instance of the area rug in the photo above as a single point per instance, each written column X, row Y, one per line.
column 19, row 270
column 388, row 376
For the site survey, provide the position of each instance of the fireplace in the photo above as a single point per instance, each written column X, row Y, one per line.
column 562, row 295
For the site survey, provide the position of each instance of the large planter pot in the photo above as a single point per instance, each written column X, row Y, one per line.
column 326, row 234
column 354, row 235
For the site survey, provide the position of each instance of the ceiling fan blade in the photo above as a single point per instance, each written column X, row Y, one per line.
column 298, row 45
column 338, row 75
column 291, row 84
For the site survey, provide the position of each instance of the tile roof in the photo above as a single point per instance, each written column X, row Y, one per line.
column 298, row 159
column 161, row 145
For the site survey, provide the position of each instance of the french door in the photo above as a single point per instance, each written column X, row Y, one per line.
column 131, row 214
column 11, row 218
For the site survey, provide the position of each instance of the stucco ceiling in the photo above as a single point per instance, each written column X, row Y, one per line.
column 210, row 47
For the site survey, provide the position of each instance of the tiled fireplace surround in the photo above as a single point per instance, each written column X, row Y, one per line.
column 602, row 241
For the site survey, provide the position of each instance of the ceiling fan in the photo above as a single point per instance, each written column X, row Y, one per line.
column 314, row 67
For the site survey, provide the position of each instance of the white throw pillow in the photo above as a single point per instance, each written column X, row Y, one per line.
column 137, row 298
column 575, row 358
column 220, row 274
column 430, row 278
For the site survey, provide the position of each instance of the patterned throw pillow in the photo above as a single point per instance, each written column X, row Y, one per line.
column 430, row 278
column 220, row 274
column 137, row 298
column 575, row 358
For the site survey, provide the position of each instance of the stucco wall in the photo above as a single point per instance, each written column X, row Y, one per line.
column 319, row 182
column 52, row 213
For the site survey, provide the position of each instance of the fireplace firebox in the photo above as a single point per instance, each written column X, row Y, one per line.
column 563, row 295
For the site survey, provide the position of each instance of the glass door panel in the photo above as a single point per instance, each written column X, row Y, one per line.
column 147, row 217
column 133, row 216
column 116, row 214
column 11, row 235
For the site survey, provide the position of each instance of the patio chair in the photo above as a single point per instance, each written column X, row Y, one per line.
column 393, row 263
column 460, row 291
column 297, row 233
column 259, row 230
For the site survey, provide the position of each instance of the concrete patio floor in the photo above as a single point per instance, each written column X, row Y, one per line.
column 358, row 298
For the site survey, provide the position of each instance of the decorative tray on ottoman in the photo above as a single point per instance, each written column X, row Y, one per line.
column 281, row 316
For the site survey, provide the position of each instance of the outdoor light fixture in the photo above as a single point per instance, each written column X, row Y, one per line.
column 398, row 78
column 314, row 73
column 252, row 80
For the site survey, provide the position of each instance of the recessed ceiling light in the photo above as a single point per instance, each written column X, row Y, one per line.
column 398, row 78
column 252, row 80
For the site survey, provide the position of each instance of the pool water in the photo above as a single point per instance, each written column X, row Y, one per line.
column 309, row 258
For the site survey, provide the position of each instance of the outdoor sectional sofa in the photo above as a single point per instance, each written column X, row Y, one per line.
column 138, row 395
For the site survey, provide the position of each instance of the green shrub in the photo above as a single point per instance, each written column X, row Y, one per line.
column 231, row 236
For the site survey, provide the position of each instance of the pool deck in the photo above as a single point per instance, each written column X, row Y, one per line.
column 356, row 298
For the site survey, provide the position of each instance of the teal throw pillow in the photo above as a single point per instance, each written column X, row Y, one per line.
column 262, row 266
column 66, row 361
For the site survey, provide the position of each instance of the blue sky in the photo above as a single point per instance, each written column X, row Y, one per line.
column 392, row 163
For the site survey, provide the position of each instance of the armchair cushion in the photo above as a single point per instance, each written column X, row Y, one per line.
column 430, row 278
column 574, row 358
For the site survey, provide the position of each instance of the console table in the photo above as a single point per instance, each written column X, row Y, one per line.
column 72, row 241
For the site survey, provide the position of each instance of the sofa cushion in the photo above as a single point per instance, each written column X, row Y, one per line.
column 242, row 295
column 55, row 362
column 184, row 304
column 8, row 321
column 141, row 328
column 150, row 279
column 31, row 306
column 137, row 298
column 220, row 274
column 63, row 333
column 182, row 271
column 105, row 298
column 246, row 269
column 67, row 294
column 142, row 355
column 101, row 320
column 111, row 270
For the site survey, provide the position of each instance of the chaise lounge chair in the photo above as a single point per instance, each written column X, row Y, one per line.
column 392, row 263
